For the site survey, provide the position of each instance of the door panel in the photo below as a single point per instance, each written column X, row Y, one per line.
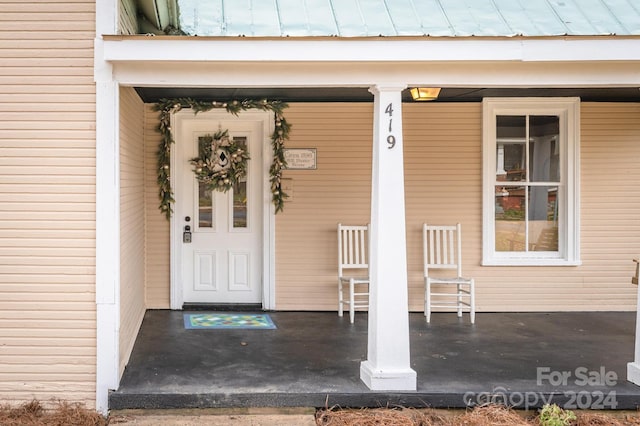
column 205, row 271
column 239, row 271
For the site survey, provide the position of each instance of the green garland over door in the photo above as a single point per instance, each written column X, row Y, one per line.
column 171, row 106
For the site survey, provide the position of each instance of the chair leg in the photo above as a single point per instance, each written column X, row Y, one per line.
column 472, row 301
column 427, row 298
column 352, row 309
column 459, row 301
column 340, row 298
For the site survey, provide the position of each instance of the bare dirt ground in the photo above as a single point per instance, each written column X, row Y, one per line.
column 217, row 417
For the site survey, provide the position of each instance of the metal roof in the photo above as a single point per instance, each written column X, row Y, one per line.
column 389, row 18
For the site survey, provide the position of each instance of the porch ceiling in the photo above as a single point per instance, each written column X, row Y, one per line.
column 361, row 94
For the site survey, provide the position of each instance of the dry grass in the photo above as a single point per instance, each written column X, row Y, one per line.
column 495, row 415
column 61, row 414
column 490, row 415
column 65, row 414
column 377, row 417
column 598, row 419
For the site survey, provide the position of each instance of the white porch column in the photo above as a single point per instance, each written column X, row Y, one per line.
column 633, row 368
column 388, row 364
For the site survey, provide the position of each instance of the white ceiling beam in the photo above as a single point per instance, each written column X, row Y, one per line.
column 196, row 49
column 365, row 74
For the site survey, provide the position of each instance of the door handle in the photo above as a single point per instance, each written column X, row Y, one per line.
column 186, row 235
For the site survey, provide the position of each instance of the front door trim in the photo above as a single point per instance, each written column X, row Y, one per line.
column 268, row 210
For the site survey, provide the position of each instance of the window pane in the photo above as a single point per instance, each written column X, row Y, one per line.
column 240, row 207
column 205, row 206
column 543, row 218
column 544, row 149
column 514, row 161
column 511, row 148
column 511, row 127
column 205, row 200
column 510, row 207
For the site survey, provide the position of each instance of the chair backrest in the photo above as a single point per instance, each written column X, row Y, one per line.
column 353, row 247
column 442, row 247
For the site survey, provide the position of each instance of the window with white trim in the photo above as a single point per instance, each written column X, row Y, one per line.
column 531, row 181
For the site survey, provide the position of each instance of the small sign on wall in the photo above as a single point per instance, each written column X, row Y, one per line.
column 301, row 158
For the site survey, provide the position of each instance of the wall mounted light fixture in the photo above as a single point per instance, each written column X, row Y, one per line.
column 425, row 93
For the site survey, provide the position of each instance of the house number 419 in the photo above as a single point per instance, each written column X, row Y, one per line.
column 391, row 140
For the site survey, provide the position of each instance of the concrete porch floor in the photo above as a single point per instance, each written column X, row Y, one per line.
column 312, row 359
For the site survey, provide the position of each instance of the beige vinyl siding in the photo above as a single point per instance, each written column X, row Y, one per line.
column 132, row 228
column 157, row 235
column 443, row 157
column 47, row 201
column 610, row 200
column 442, row 179
column 610, row 141
column 442, row 167
column 443, row 182
column 338, row 191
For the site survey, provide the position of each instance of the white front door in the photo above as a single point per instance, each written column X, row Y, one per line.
column 221, row 259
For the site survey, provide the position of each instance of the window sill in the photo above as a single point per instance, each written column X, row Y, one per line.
column 530, row 262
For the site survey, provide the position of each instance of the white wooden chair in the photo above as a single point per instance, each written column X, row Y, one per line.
column 353, row 259
column 442, row 250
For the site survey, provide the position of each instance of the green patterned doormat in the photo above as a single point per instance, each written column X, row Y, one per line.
column 228, row 321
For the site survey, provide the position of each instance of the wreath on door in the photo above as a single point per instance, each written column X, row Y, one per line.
column 222, row 162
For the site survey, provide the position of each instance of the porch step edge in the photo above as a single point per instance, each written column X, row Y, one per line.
column 164, row 401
